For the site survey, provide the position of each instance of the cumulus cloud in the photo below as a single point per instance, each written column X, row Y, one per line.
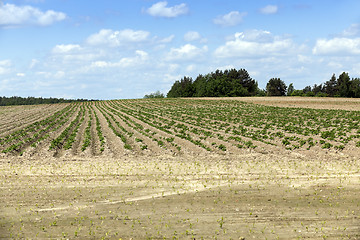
column 255, row 35
column 160, row 9
column 191, row 36
column 59, row 49
column 269, row 9
column 12, row 15
column 186, row 52
column 113, row 38
column 126, row 62
column 352, row 31
column 167, row 39
column 231, row 19
column 337, row 46
column 256, row 43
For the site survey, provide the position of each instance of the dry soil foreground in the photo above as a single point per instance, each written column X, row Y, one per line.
column 262, row 193
column 251, row 196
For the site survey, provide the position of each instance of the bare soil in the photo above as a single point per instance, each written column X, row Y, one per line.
column 351, row 104
column 253, row 195
column 262, row 193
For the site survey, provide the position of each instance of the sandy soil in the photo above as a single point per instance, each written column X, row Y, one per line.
column 262, row 193
column 352, row 104
column 252, row 195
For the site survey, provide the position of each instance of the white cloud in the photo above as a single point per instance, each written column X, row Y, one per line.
column 352, row 31
column 72, row 54
column 255, row 35
column 167, row 39
column 269, row 9
column 191, row 36
column 60, row 49
column 190, row 68
column 113, row 38
column 231, row 19
column 186, row 52
column 59, row 74
column 20, row 74
column 255, row 44
column 168, row 78
column 140, row 58
column 160, row 9
column 12, row 15
column 337, row 46
column 33, row 63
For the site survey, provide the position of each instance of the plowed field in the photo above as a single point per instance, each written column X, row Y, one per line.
column 253, row 168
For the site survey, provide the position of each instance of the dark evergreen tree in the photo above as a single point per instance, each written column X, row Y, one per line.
column 228, row 83
column 355, row 88
column 8, row 101
column 182, row 88
column 331, row 86
column 290, row 89
column 276, row 87
column 317, row 89
column 344, row 84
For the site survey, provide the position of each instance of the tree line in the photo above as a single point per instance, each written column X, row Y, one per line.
column 342, row 86
column 228, row 83
column 8, row 101
column 238, row 83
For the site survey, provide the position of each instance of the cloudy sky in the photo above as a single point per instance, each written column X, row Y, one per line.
column 128, row 48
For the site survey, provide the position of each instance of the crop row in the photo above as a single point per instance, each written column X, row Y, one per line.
column 293, row 128
column 35, row 132
column 212, row 125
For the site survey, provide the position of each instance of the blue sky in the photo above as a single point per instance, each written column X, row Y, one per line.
column 129, row 48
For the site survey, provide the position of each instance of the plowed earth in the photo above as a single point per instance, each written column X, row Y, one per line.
column 253, row 168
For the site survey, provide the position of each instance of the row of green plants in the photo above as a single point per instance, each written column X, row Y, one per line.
column 67, row 137
column 294, row 128
column 110, row 119
column 87, row 134
column 35, row 132
column 213, row 125
column 123, row 113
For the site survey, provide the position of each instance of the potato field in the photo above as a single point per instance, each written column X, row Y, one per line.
column 115, row 128
column 235, row 168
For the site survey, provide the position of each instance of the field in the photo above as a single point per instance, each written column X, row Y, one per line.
column 235, row 168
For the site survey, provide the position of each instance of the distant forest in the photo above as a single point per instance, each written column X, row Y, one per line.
column 228, row 83
column 8, row 101
column 238, row 83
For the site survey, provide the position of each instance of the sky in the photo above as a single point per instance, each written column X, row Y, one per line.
column 128, row 48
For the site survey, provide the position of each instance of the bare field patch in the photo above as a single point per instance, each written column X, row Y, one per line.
column 252, row 195
column 234, row 168
column 351, row 104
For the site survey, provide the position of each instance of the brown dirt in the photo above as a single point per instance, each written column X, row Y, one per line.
column 252, row 195
column 351, row 104
column 24, row 116
column 262, row 193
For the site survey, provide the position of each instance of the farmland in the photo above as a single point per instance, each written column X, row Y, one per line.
column 181, row 168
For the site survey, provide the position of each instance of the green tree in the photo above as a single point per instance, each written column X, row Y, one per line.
column 331, row 86
column 228, row 83
column 317, row 89
column 297, row 93
column 344, row 84
column 355, row 88
column 276, row 87
column 157, row 94
column 182, row 88
column 290, row 89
